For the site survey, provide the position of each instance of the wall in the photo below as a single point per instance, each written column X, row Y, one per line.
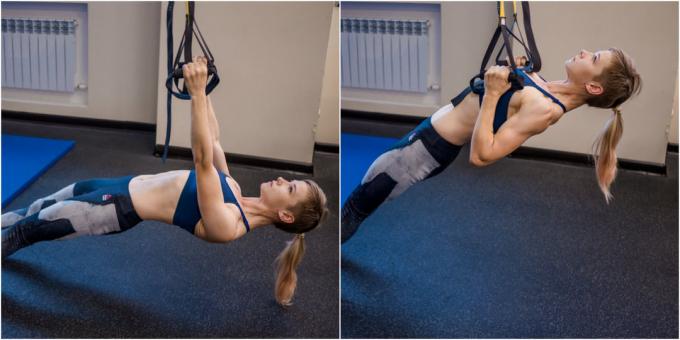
column 329, row 112
column 408, row 103
column 120, row 67
column 673, row 128
column 648, row 31
column 273, row 71
column 271, row 59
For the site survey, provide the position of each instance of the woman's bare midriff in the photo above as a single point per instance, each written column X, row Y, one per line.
column 456, row 124
column 155, row 197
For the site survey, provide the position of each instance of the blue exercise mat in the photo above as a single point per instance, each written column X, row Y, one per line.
column 358, row 152
column 24, row 159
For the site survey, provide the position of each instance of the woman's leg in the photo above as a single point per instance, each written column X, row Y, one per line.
column 13, row 217
column 104, row 211
column 75, row 189
column 421, row 154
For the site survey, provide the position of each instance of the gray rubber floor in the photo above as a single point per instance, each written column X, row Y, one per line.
column 157, row 280
column 519, row 249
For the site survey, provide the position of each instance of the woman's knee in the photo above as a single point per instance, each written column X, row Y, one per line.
column 86, row 218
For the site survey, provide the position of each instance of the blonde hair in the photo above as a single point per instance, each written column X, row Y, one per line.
column 620, row 81
column 309, row 214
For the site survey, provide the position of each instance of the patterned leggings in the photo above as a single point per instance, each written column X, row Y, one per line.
column 419, row 155
column 91, row 207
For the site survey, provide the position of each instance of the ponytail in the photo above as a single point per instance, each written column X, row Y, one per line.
column 309, row 214
column 286, row 264
column 604, row 152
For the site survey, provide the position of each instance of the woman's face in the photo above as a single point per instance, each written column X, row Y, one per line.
column 281, row 195
column 585, row 66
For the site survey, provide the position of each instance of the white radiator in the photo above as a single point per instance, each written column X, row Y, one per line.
column 38, row 54
column 385, row 54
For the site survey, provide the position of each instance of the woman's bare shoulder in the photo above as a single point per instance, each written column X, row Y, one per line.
column 233, row 184
column 538, row 108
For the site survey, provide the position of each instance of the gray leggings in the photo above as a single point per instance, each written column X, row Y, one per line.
column 419, row 155
column 92, row 207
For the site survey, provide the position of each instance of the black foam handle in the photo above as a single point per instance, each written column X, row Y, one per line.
column 178, row 73
column 516, row 82
column 477, row 82
column 184, row 93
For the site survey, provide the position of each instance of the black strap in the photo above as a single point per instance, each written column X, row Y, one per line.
column 517, row 83
column 501, row 30
column 490, row 48
column 185, row 50
column 534, row 59
column 500, row 51
column 175, row 72
column 535, row 56
column 168, row 106
column 459, row 98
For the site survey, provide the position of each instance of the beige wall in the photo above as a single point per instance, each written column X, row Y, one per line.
column 399, row 102
column 122, row 67
column 673, row 128
column 271, row 59
column 647, row 31
column 466, row 31
column 329, row 112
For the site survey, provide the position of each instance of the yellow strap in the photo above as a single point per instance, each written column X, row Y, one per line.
column 187, row 8
column 514, row 7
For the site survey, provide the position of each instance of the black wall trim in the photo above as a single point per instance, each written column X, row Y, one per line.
column 324, row 147
column 400, row 121
column 383, row 117
column 525, row 152
column 182, row 152
column 105, row 123
column 672, row 148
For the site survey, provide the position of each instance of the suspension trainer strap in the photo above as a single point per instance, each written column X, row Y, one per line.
column 501, row 30
column 499, row 61
column 175, row 72
column 534, row 59
column 535, row 56
column 168, row 106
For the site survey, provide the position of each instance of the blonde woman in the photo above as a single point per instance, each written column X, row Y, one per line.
column 206, row 202
column 497, row 122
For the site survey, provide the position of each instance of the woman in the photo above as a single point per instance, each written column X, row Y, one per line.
column 206, row 202
column 496, row 123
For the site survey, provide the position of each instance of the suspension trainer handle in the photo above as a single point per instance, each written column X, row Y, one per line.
column 502, row 29
column 175, row 72
column 179, row 72
column 184, row 95
column 174, row 69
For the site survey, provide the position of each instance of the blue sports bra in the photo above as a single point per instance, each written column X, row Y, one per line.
column 187, row 213
column 501, row 114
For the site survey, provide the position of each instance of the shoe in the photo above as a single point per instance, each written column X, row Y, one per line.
column 350, row 221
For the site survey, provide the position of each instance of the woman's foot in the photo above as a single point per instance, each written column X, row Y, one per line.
column 11, row 242
column 350, row 220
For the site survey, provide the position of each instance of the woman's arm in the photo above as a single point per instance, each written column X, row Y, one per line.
column 220, row 222
column 201, row 138
column 532, row 118
column 487, row 147
column 219, row 159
